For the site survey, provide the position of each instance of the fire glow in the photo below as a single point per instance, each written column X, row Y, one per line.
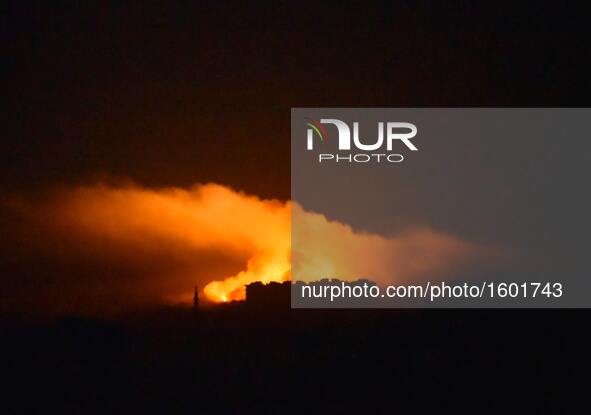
column 132, row 224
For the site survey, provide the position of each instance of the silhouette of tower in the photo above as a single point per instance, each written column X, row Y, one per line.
column 196, row 298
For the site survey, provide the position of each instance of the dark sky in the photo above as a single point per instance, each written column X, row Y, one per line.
column 175, row 94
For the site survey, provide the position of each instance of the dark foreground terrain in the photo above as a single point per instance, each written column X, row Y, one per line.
column 237, row 359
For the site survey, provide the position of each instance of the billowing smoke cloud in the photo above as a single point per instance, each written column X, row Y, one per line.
column 154, row 245
column 329, row 249
column 89, row 247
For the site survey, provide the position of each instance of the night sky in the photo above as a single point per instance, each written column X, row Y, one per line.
column 173, row 95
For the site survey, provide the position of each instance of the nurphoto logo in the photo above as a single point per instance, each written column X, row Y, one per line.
column 388, row 134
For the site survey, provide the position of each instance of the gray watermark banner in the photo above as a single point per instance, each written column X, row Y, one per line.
column 440, row 207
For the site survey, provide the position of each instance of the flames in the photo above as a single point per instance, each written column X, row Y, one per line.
column 274, row 265
column 170, row 239
column 133, row 224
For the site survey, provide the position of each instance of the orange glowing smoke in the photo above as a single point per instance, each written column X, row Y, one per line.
column 323, row 248
column 138, row 222
column 166, row 231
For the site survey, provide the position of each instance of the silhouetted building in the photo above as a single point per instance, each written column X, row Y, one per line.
column 196, row 298
column 271, row 295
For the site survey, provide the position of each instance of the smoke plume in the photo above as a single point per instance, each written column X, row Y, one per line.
column 89, row 247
